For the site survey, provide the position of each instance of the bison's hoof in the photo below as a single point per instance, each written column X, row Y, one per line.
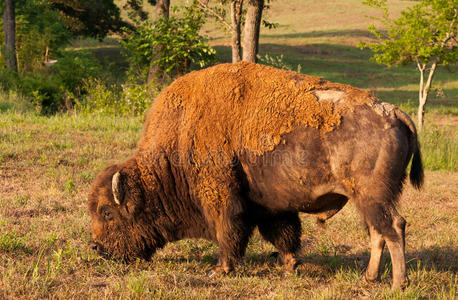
column 212, row 274
column 371, row 278
column 290, row 263
column 219, row 270
column 400, row 285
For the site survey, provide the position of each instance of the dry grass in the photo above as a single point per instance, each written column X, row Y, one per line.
column 47, row 165
column 46, row 168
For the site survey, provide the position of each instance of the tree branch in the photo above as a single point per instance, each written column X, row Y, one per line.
column 205, row 7
column 449, row 36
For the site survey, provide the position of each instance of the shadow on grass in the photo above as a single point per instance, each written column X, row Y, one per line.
column 322, row 33
column 261, row 264
column 435, row 258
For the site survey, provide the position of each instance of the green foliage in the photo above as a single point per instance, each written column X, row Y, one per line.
column 39, row 31
column 277, row 62
column 11, row 243
column 135, row 10
column 135, row 99
column 130, row 99
column 51, row 90
column 426, row 31
column 8, row 79
column 171, row 44
column 89, row 18
column 72, row 67
column 99, row 97
column 43, row 91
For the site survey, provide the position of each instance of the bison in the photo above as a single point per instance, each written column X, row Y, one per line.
column 238, row 146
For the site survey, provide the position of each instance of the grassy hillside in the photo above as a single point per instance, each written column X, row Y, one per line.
column 48, row 163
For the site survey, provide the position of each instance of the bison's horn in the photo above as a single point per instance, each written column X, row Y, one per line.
column 115, row 185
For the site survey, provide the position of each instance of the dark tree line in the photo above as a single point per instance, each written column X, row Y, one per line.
column 98, row 18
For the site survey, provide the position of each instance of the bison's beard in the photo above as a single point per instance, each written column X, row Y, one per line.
column 127, row 244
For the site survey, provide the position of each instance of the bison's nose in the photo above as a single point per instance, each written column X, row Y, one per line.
column 95, row 247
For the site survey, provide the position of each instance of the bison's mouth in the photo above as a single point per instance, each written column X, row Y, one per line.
column 145, row 254
column 99, row 249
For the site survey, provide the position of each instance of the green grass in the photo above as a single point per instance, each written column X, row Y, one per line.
column 439, row 146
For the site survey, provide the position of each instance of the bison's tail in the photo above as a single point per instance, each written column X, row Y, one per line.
column 416, row 169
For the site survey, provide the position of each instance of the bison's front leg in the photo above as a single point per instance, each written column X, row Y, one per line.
column 283, row 230
column 232, row 232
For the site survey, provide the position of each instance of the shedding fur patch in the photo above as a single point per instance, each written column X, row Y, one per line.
column 330, row 95
column 210, row 116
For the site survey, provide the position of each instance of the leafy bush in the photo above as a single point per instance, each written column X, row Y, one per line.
column 98, row 98
column 39, row 31
column 171, row 44
column 130, row 99
column 52, row 90
column 135, row 99
column 8, row 79
column 44, row 92
column 73, row 67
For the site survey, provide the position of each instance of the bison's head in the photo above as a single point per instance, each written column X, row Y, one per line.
column 120, row 225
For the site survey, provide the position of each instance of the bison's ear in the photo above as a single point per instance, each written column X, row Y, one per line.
column 117, row 187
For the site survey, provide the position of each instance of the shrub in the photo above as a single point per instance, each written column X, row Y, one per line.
column 171, row 44
column 98, row 97
column 40, row 30
column 135, row 99
column 130, row 99
column 44, row 92
column 8, row 79
column 72, row 67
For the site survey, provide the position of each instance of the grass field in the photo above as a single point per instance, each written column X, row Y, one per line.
column 48, row 163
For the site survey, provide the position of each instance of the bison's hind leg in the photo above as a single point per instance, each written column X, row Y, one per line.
column 385, row 226
column 283, row 230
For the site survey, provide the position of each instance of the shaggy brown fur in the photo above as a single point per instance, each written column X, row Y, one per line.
column 242, row 145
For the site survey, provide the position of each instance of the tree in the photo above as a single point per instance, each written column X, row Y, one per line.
column 168, row 45
column 252, row 18
column 90, row 18
column 9, row 27
column 39, row 30
column 156, row 71
column 162, row 8
column 424, row 34
column 251, row 30
column 236, row 24
column 136, row 11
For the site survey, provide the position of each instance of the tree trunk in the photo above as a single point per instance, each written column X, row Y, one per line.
column 162, row 8
column 9, row 26
column 251, row 30
column 424, row 91
column 236, row 20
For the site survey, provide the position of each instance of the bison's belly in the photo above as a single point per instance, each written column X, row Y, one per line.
column 295, row 176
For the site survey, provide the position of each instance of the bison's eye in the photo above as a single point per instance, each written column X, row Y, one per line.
column 107, row 214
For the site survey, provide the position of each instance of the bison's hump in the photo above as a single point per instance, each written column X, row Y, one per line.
column 246, row 106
